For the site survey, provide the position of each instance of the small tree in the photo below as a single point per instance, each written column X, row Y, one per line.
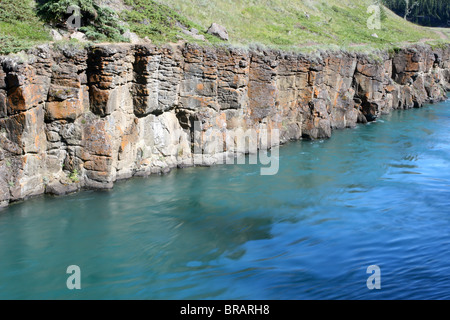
column 409, row 8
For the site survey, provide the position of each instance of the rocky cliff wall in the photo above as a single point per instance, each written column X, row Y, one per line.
column 78, row 118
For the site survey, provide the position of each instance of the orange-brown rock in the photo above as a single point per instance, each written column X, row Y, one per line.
column 78, row 118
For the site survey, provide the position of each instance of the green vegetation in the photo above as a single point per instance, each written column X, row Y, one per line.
column 71, row 45
column 295, row 25
column 74, row 176
column 157, row 21
column 439, row 45
column 97, row 22
column 19, row 26
column 12, row 11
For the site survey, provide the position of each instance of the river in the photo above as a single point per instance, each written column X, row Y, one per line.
column 378, row 194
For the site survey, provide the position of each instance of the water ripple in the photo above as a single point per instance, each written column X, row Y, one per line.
column 374, row 195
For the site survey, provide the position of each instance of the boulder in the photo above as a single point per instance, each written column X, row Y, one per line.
column 132, row 37
column 80, row 36
column 56, row 36
column 218, row 31
column 58, row 188
column 194, row 34
column 199, row 37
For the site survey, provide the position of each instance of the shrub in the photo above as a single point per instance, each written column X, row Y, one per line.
column 99, row 23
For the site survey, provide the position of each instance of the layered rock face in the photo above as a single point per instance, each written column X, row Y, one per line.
column 86, row 118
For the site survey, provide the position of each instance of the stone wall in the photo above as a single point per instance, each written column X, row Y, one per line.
column 72, row 119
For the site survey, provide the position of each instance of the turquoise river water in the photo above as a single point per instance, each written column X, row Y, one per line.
column 375, row 195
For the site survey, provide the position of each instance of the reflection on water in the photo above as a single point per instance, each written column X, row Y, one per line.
column 378, row 194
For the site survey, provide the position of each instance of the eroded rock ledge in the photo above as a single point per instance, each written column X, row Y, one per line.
column 85, row 118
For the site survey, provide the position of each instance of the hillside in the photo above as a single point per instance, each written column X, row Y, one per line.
column 288, row 25
column 291, row 24
column 434, row 13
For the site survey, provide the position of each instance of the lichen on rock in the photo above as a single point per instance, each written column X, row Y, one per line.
column 110, row 112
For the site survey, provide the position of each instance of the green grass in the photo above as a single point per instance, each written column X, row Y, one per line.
column 11, row 11
column 158, row 22
column 277, row 24
column 20, row 28
column 18, row 36
column 283, row 24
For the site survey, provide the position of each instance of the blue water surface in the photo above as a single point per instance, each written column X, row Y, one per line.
column 375, row 195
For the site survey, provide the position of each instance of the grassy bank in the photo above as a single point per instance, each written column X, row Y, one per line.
column 295, row 25
column 20, row 28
